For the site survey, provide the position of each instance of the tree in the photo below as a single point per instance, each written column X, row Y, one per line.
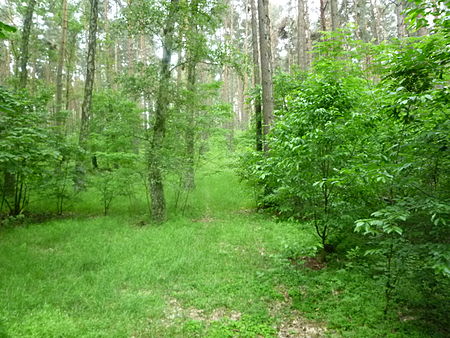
column 323, row 21
column 266, row 67
column 90, row 73
column 155, row 146
column 401, row 27
column 302, row 44
column 61, row 53
column 256, row 77
column 334, row 15
column 361, row 20
column 24, row 54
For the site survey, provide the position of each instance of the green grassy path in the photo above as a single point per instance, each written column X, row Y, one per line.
column 197, row 275
column 220, row 270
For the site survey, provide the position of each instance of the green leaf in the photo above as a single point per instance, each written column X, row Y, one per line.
column 4, row 28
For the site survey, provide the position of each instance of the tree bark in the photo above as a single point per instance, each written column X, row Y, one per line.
column 192, row 55
column 343, row 11
column 59, row 71
column 323, row 21
column 334, row 15
column 108, row 49
column 401, row 27
column 360, row 13
column 266, row 67
column 69, row 67
column 302, row 47
column 189, row 181
column 158, row 202
column 5, row 72
column 90, row 73
column 24, row 54
column 375, row 22
column 256, row 77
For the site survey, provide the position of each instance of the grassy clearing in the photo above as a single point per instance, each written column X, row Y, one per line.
column 106, row 276
column 219, row 270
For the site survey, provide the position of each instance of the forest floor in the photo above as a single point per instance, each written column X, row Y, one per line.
column 220, row 270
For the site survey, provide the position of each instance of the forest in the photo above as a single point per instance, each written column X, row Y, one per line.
column 224, row 168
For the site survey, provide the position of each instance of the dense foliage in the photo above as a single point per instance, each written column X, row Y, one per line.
column 148, row 105
column 354, row 150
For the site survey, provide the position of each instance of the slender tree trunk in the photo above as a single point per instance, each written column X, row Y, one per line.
column 59, row 71
column 245, row 76
column 90, row 73
column 24, row 55
column 308, row 35
column 158, row 202
column 189, row 181
column 343, row 12
column 266, row 67
column 256, row 77
column 375, row 22
column 302, row 47
column 109, row 50
column 192, row 55
column 334, row 15
column 130, row 50
column 323, row 21
column 69, row 67
column 241, row 102
column 116, row 57
column 5, row 72
column 401, row 28
column 360, row 13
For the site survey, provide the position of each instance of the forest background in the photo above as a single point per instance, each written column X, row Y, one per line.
column 335, row 114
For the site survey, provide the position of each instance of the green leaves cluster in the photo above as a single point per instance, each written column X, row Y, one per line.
column 5, row 30
column 30, row 151
column 349, row 153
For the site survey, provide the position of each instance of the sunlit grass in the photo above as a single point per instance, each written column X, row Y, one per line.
column 216, row 268
column 104, row 276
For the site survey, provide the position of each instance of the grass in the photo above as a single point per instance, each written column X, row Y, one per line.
column 218, row 270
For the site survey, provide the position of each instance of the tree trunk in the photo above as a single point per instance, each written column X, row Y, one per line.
column 302, row 47
column 375, row 22
column 24, row 55
column 158, row 202
column 323, row 22
column 5, row 72
column 266, row 67
column 256, row 77
column 360, row 13
column 90, row 73
column 69, row 67
column 401, row 27
column 334, row 15
column 192, row 55
column 189, row 182
column 343, row 11
column 59, row 71
column 108, row 50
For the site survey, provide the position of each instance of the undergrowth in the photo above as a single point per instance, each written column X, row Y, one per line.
column 218, row 269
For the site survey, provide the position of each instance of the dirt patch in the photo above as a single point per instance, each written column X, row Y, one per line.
column 203, row 220
column 299, row 327
column 292, row 323
column 176, row 312
column 245, row 211
column 313, row 263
